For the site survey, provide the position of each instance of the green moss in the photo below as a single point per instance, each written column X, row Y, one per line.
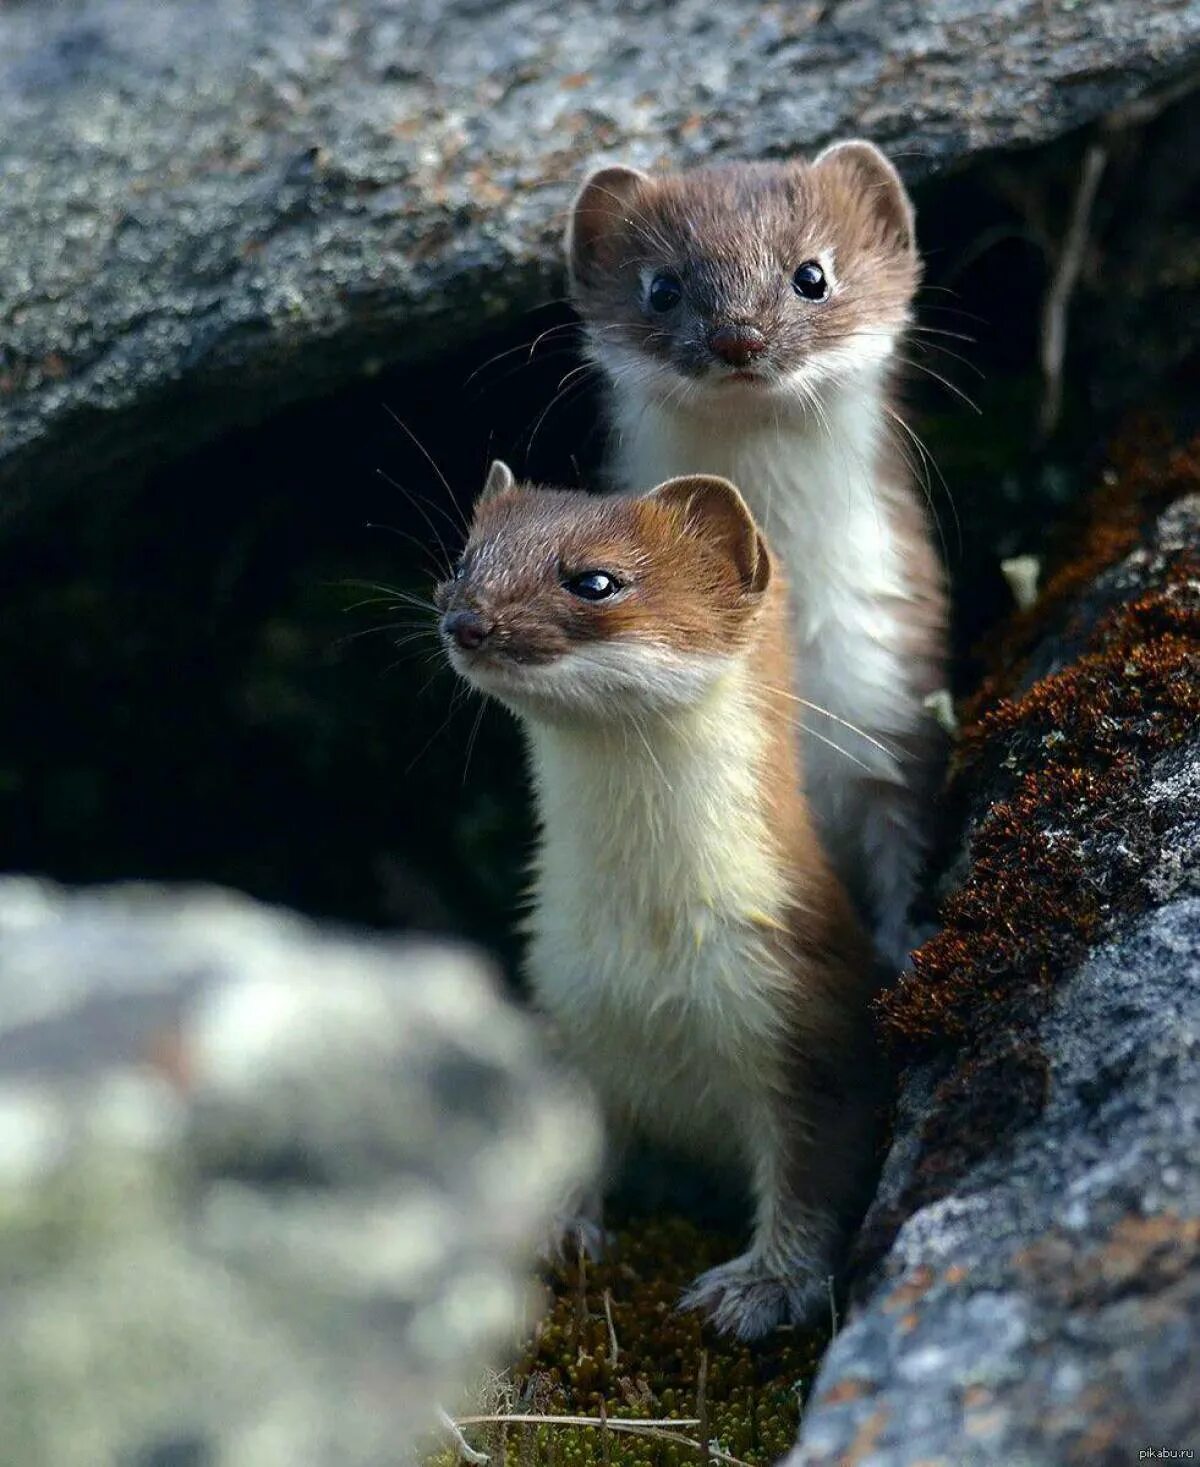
column 568, row 1367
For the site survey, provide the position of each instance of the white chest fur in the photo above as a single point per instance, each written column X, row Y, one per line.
column 655, row 891
column 811, row 482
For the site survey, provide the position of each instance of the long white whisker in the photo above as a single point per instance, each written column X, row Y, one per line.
column 846, row 754
column 836, row 717
column 422, row 509
column 474, row 734
column 430, row 460
column 945, row 381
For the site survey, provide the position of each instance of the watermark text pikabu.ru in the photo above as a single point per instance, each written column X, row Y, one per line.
column 1167, row 1454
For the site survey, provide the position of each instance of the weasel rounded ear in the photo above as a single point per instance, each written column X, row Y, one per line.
column 500, row 478
column 714, row 509
column 600, row 208
column 867, row 170
column 761, row 578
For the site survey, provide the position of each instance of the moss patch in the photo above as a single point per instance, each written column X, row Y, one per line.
column 1065, row 842
column 568, row 1367
column 1065, row 839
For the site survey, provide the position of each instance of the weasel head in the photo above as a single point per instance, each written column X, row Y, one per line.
column 744, row 286
column 569, row 607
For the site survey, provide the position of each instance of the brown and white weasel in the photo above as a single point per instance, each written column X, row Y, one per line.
column 747, row 317
column 701, row 961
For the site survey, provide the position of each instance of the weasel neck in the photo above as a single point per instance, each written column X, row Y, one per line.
column 674, row 807
column 810, row 474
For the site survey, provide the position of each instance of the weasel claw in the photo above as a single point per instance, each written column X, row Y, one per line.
column 742, row 1298
column 572, row 1233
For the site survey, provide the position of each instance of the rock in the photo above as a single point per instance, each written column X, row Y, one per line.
column 267, row 1194
column 1030, row 1269
column 210, row 209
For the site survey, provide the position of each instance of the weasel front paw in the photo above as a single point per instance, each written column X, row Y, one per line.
column 570, row 1234
column 745, row 1299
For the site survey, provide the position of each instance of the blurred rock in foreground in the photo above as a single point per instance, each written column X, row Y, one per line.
column 267, row 1195
column 1031, row 1265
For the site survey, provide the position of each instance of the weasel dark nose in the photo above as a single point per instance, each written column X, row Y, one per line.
column 737, row 345
column 467, row 628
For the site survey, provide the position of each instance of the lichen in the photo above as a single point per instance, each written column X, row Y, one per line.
column 1061, row 849
column 568, row 1367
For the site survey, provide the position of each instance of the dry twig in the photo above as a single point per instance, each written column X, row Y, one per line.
column 581, row 1309
column 1067, row 269
column 702, row 1407
column 663, row 1430
column 613, row 1349
column 833, row 1314
column 464, row 1450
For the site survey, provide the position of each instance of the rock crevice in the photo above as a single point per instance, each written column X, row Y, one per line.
column 1030, row 1269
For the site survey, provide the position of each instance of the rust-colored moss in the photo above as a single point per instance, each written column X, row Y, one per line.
column 1062, row 848
column 1065, row 839
column 568, row 1368
column 1146, row 474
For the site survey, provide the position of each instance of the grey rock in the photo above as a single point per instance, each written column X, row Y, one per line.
column 1045, row 1309
column 267, row 1194
column 214, row 207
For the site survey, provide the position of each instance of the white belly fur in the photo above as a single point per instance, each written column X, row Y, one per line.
column 653, row 895
column 811, row 485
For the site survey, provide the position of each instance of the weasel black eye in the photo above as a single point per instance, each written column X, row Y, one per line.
column 592, row 585
column 809, row 281
column 665, row 291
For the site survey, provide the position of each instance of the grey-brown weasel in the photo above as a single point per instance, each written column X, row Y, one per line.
column 747, row 318
column 699, row 958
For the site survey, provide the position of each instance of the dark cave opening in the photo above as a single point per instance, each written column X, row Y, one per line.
column 200, row 686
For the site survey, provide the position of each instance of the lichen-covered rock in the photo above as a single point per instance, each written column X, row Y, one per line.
column 1030, row 1269
column 211, row 208
column 267, row 1194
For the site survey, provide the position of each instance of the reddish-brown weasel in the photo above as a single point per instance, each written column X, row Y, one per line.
column 747, row 317
column 700, row 960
